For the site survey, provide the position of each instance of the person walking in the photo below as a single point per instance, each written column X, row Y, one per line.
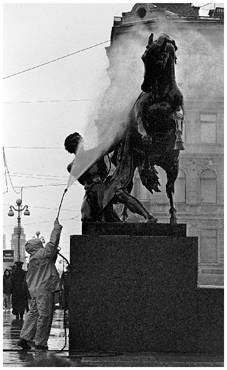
column 65, row 288
column 43, row 280
column 7, row 287
column 19, row 291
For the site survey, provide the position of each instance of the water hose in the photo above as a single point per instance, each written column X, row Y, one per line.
column 64, row 316
column 59, row 208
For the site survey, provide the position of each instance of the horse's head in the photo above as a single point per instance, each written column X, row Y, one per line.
column 155, row 59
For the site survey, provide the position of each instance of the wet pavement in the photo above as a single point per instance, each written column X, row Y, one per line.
column 13, row 356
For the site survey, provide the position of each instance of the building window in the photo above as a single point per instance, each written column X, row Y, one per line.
column 208, row 128
column 208, row 185
column 180, row 188
column 208, row 246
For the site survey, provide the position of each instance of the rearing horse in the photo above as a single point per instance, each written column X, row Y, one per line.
column 159, row 111
column 154, row 134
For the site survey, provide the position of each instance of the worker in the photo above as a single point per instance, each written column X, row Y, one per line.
column 43, row 280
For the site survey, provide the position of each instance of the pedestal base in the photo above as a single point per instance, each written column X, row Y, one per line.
column 139, row 293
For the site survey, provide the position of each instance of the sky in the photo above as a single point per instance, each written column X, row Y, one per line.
column 42, row 106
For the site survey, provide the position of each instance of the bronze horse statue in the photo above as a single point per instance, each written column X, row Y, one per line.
column 154, row 133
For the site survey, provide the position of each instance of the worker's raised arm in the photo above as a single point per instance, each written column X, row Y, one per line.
column 50, row 249
column 56, row 232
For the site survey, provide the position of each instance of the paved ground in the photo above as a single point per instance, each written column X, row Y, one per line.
column 13, row 356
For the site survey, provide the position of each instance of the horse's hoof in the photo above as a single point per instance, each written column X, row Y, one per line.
column 152, row 220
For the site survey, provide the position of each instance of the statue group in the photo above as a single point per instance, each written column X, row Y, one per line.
column 153, row 136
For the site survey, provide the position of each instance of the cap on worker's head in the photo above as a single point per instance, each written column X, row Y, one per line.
column 33, row 245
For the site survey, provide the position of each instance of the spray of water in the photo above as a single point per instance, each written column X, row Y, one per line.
column 199, row 71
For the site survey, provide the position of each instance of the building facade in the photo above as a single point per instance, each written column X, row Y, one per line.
column 14, row 244
column 6, row 264
column 4, row 241
column 199, row 192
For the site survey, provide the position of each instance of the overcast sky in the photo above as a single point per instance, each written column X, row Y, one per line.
column 34, row 34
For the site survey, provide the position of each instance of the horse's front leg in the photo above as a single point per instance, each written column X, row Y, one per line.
column 172, row 210
column 172, row 168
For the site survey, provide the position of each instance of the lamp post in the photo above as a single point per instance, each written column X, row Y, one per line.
column 19, row 210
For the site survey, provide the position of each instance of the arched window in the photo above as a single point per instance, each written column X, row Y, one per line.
column 208, row 186
column 180, row 188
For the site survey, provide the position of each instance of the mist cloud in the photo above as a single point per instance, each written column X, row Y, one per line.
column 199, row 72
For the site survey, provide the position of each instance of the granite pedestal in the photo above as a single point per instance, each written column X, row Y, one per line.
column 134, row 289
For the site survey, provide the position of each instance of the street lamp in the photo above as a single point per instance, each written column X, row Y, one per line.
column 19, row 209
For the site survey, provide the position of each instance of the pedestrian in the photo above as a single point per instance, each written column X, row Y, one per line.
column 43, row 280
column 19, row 291
column 65, row 288
column 7, row 287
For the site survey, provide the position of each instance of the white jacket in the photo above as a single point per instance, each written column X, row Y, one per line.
column 42, row 276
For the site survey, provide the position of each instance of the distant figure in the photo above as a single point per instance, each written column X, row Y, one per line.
column 43, row 280
column 65, row 287
column 19, row 291
column 7, row 287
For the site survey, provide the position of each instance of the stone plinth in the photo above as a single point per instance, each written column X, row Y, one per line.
column 137, row 293
column 132, row 228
